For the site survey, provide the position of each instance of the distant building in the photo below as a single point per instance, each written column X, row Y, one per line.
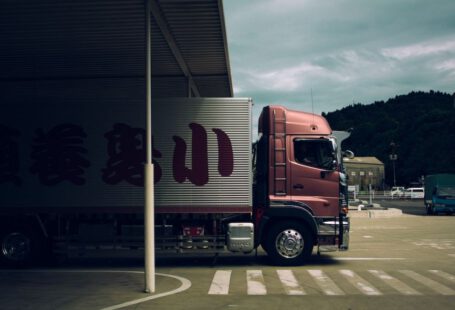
column 363, row 171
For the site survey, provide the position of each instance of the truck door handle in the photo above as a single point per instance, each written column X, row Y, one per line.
column 298, row 186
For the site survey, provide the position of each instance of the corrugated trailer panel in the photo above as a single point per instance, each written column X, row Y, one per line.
column 217, row 171
column 71, row 148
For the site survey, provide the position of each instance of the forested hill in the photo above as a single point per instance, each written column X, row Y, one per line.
column 421, row 124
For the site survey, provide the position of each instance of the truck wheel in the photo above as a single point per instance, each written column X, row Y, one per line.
column 17, row 247
column 289, row 243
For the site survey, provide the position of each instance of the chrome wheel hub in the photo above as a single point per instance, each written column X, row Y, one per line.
column 16, row 246
column 289, row 243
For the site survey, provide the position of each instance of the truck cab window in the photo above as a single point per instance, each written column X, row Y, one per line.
column 318, row 153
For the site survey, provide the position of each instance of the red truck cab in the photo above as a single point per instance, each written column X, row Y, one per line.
column 300, row 187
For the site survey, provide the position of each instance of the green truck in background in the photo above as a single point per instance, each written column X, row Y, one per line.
column 440, row 193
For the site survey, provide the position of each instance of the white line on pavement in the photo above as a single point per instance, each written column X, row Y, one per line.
column 443, row 274
column 394, row 283
column 220, row 282
column 186, row 284
column 325, row 283
column 361, row 284
column 290, row 284
column 431, row 284
column 255, row 282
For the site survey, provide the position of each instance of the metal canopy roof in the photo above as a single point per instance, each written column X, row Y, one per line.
column 104, row 39
column 194, row 32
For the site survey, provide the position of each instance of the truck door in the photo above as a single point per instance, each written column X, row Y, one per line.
column 313, row 178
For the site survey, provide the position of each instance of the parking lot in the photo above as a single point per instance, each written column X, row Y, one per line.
column 404, row 262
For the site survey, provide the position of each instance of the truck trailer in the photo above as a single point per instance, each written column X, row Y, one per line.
column 72, row 179
column 440, row 193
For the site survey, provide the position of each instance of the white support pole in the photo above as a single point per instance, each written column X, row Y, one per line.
column 149, row 222
column 149, row 207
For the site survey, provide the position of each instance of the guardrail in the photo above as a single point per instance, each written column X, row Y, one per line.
column 378, row 195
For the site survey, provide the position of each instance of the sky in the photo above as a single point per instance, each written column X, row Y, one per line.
column 320, row 56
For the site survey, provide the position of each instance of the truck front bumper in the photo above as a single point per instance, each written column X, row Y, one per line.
column 443, row 208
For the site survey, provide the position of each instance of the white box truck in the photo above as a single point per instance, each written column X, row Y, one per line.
column 72, row 174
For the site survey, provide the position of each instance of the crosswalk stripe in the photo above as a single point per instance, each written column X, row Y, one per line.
column 325, row 283
column 361, row 284
column 290, row 284
column 255, row 282
column 220, row 282
column 433, row 285
column 443, row 274
column 394, row 283
column 256, row 285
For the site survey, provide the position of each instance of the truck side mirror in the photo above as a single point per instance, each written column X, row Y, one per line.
column 348, row 154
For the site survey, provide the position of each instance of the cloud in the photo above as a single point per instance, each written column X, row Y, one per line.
column 420, row 49
column 344, row 51
column 448, row 65
column 290, row 78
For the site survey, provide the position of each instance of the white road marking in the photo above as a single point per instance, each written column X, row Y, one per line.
column 361, row 284
column 443, row 274
column 395, row 283
column 220, row 282
column 325, row 283
column 255, row 282
column 186, row 284
column 452, row 255
column 368, row 237
column 439, row 244
column 290, row 284
column 431, row 284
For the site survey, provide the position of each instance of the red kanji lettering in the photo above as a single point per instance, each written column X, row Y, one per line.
column 199, row 174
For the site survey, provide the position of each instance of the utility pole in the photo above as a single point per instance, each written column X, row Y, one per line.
column 393, row 158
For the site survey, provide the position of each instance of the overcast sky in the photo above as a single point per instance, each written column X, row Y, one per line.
column 345, row 51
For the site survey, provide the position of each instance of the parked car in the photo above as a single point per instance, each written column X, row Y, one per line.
column 414, row 193
column 397, row 191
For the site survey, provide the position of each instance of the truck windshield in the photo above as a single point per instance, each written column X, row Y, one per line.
column 446, row 192
column 319, row 153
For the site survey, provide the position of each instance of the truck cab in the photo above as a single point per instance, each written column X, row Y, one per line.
column 300, row 188
column 440, row 193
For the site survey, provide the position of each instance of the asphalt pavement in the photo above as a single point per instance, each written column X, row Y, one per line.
column 394, row 262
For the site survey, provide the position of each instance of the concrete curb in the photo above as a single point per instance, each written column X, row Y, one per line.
column 391, row 212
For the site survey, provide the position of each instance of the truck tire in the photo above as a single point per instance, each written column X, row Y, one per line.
column 19, row 247
column 289, row 243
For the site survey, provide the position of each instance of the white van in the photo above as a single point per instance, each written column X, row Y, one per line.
column 397, row 191
column 414, row 193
